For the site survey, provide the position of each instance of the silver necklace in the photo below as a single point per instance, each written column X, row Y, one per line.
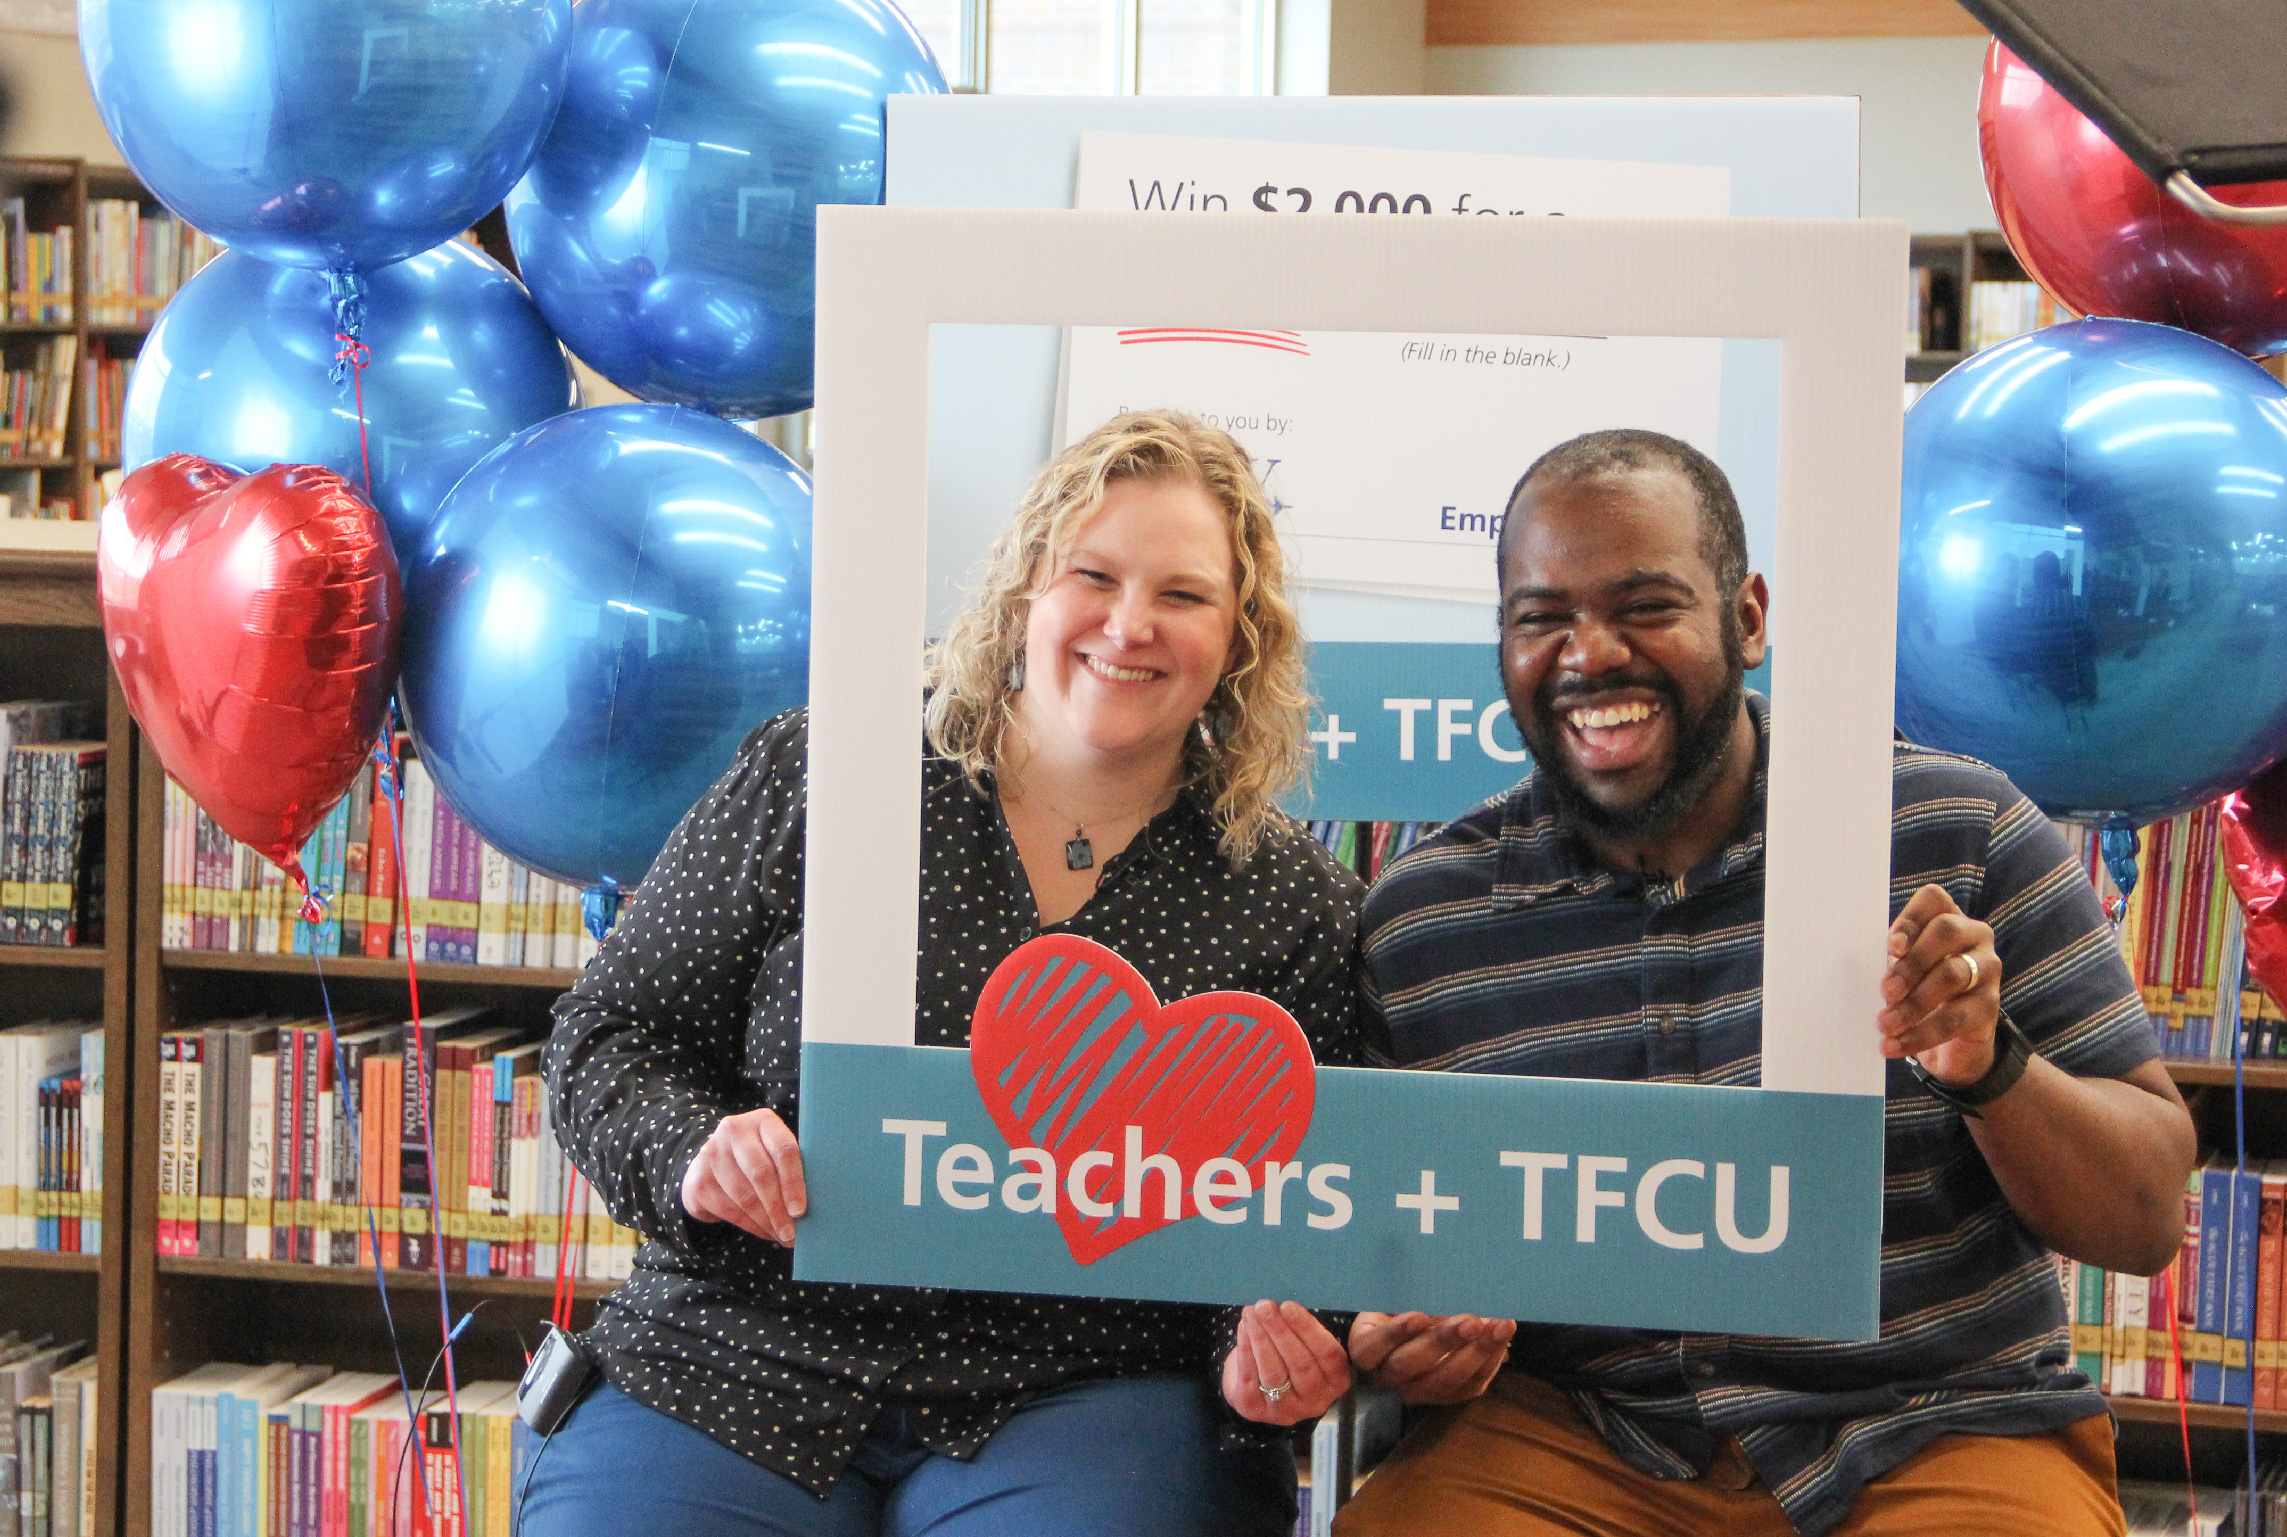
column 1079, row 850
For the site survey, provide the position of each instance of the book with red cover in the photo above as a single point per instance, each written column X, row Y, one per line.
column 2271, row 1211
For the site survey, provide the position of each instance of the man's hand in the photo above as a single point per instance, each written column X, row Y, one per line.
column 1430, row 1360
column 749, row 1174
column 1942, row 993
column 1282, row 1346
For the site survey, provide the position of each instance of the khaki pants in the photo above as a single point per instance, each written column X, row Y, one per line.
column 1521, row 1462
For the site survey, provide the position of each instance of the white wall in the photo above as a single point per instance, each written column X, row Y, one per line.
column 54, row 109
column 1918, row 133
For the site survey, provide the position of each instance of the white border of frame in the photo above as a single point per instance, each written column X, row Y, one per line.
column 1829, row 290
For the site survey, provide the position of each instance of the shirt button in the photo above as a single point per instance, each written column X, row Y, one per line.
column 1704, row 1369
column 1667, row 1024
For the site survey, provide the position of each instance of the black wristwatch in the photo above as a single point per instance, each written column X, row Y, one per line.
column 2011, row 1051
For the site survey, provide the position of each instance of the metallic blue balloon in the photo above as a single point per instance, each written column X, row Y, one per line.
column 669, row 226
column 237, row 370
column 336, row 134
column 2092, row 586
column 602, row 609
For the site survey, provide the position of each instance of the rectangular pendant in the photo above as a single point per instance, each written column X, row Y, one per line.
column 1079, row 854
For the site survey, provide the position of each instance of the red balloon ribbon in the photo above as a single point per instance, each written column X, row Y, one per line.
column 253, row 621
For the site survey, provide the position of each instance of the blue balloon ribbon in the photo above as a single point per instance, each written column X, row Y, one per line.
column 669, row 224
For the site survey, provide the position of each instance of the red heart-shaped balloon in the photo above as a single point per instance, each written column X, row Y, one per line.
column 1071, row 1051
column 253, row 621
column 2255, row 860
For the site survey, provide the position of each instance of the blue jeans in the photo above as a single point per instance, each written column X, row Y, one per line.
column 1129, row 1457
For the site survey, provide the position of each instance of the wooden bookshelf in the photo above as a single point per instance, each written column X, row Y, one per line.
column 51, row 647
column 462, row 1288
column 57, row 192
column 182, row 1311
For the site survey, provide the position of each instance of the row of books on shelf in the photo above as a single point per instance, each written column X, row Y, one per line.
column 107, row 381
column 1367, row 846
column 52, row 827
column 136, row 259
column 22, row 496
column 50, row 1430
column 1997, row 311
column 35, row 401
column 2183, row 936
column 2207, row 1329
column 38, row 267
column 51, row 1137
column 468, row 902
column 290, row 1141
column 305, row 1451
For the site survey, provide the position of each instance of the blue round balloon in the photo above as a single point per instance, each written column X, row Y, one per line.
column 336, row 134
column 2092, row 585
column 602, row 609
column 238, row 370
column 669, row 226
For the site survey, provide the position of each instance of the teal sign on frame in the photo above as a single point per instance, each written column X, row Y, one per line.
column 1648, row 1205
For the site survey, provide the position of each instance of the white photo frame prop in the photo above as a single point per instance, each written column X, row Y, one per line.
column 1767, row 1217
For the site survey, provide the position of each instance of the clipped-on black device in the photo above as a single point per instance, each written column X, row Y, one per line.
column 558, row 1376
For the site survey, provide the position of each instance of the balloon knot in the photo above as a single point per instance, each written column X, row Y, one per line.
column 315, row 906
column 348, row 291
column 599, row 906
column 2118, row 842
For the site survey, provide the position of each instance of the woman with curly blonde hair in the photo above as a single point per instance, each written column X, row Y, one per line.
column 1111, row 725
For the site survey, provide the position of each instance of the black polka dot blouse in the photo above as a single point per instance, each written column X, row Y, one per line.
column 692, row 1012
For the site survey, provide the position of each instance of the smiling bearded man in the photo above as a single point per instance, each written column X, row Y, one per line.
column 1604, row 920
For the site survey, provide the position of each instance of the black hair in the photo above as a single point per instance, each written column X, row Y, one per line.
column 1626, row 450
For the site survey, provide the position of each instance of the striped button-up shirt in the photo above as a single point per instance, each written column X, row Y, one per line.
column 1500, row 946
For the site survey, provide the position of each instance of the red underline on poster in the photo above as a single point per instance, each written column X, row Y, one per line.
column 1276, row 341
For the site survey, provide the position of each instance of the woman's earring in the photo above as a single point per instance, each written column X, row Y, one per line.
column 1016, row 674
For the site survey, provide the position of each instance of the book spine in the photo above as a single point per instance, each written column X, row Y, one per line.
column 170, row 1085
column 453, row 1153
column 261, row 1130
column 492, row 906
column 381, row 865
column 2267, row 1289
column 2239, row 1301
column 2215, row 1257
column 315, row 1079
column 419, row 849
column 357, row 861
column 389, row 1116
column 286, row 1146
column 479, row 1169
column 416, row 1199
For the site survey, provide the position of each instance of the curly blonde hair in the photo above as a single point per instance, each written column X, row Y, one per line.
column 1252, row 745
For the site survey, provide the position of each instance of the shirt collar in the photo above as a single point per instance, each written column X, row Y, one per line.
column 1539, row 858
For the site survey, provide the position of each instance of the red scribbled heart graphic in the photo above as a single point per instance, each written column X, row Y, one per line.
column 253, row 621
column 1070, row 1049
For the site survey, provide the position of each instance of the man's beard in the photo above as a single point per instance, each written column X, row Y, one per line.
column 1702, row 750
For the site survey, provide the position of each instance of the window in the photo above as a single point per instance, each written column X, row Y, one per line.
column 1102, row 47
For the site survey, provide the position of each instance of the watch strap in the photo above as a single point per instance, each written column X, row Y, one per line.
column 2011, row 1053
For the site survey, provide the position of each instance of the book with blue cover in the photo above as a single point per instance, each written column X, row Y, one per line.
column 2214, row 1268
column 2239, row 1301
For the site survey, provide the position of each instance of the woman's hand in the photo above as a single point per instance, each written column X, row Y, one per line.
column 1286, row 1368
column 749, row 1174
column 1430, row 1360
